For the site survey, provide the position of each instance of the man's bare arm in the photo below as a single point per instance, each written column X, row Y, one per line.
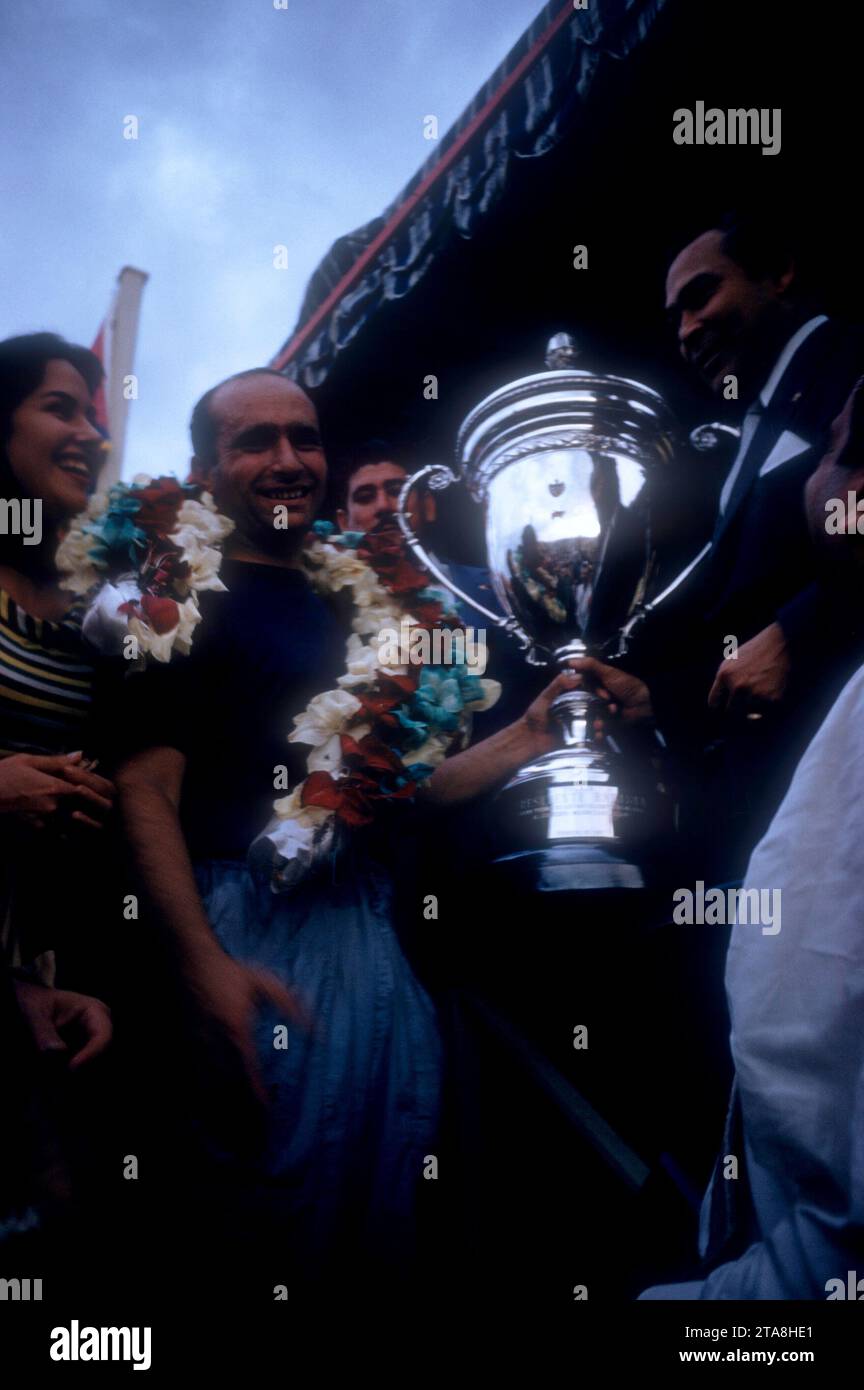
column 226, row 992
column 480, row 769
column 149, row 784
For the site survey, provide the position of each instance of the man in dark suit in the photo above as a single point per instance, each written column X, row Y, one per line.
column 742, row 655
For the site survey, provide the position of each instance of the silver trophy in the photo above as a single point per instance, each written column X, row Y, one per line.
column 559, row 462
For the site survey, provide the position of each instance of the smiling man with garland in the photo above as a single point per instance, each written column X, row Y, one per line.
column 306, row 997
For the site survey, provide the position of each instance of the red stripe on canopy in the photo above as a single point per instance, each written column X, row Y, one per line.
column 403, row 211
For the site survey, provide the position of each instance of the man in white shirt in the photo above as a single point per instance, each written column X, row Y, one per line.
column 796, row 997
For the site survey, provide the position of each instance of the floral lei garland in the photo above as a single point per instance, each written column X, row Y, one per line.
column 143, row 553
column 386, row 728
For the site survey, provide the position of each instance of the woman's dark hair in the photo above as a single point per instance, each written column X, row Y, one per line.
column 22, row 368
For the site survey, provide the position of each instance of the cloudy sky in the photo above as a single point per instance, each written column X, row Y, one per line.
column 257, row 126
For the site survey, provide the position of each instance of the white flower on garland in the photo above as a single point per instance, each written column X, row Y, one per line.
column 160, row 645
column 103, row 625
column 204, row 561
column 291, row 808
column 204, row 520
column 327, row 757
column 74, row 560
column 365, row 661
column 374, row 618
column 324, row 716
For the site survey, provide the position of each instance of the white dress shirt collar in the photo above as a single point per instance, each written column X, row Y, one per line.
column 786, row 356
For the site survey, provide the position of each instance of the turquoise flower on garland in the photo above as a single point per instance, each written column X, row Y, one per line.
column 326, row 531
column 442, row 694
column 433, row 594
column 117, row 530
column 115, row 533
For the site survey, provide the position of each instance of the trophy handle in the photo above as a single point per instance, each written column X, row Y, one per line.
column 705, row 439
column 439, row 477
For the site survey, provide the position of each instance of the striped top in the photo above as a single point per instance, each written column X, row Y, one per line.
column 46, row 682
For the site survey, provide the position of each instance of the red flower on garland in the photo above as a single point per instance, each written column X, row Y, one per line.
column 373, row 767
column 429, row 613
column 351, row 797
column 370, row 752
column 389, row 692
column 385, row 551
column 163, row 566
column 162, row 614
column 160, row 501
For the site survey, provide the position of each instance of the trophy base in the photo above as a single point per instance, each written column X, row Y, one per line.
column 576, row 868
column 581, row 819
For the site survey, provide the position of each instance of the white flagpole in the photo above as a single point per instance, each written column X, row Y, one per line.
column 120, row 384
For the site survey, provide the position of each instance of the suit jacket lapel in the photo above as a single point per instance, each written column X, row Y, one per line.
column 775, row 431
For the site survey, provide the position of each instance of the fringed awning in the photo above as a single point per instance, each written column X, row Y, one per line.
column 526, row 109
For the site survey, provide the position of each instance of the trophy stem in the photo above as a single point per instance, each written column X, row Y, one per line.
column 571, row 713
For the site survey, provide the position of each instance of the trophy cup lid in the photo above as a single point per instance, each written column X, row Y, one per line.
column 562, row 351
column 564, row 407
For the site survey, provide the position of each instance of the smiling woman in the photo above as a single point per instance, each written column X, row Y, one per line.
column 50, row 455
column 53, row 451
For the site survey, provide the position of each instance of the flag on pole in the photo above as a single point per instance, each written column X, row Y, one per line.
column 115, row 348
